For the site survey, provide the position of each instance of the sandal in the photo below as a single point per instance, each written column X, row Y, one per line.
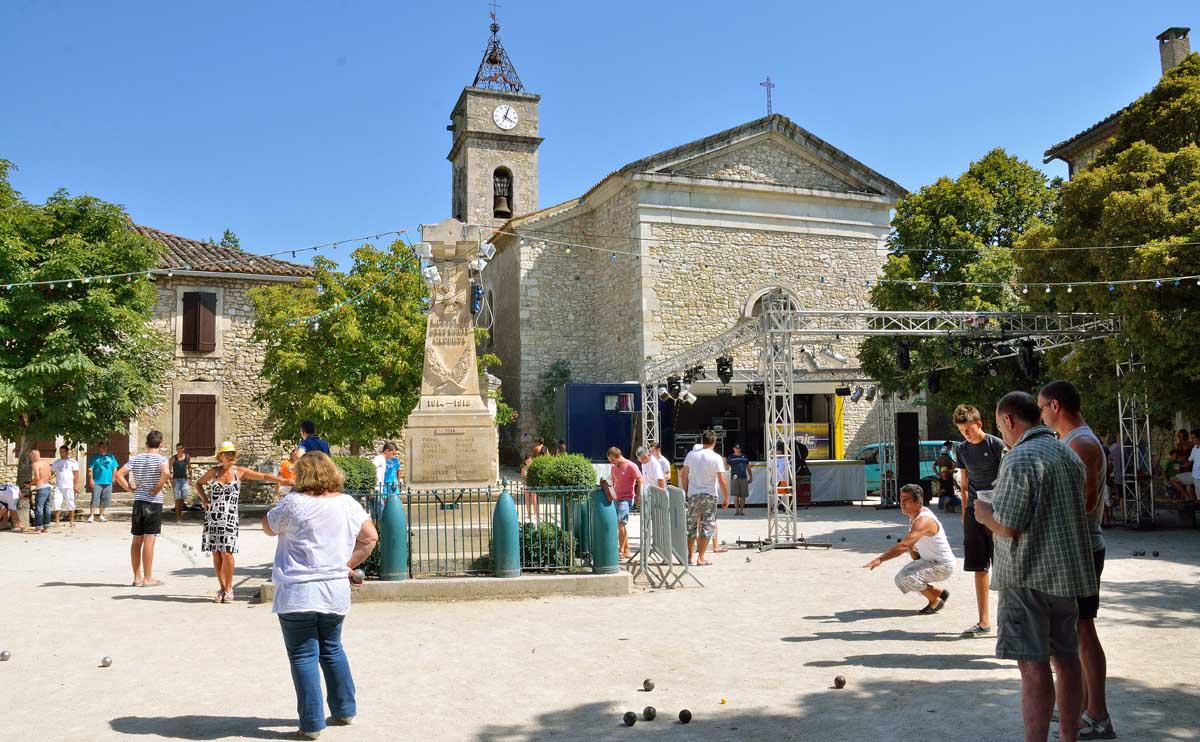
column 228, row 597
column 153, row 583
column 220, row 597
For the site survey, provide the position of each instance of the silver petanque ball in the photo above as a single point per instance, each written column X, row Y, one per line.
column 106, row 662
column 5, row 656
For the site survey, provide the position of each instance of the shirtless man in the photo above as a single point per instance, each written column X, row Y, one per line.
column 41, row 491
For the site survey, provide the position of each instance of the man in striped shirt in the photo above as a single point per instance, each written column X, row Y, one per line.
column 151, row 472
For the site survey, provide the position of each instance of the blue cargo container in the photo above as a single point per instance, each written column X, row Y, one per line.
column 591, row 418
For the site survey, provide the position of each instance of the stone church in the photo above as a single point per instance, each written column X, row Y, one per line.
column 663, row 252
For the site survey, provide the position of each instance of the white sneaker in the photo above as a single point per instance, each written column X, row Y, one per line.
column 311, row 735
column 103, row 519
column 91, row 519
column 343, row 720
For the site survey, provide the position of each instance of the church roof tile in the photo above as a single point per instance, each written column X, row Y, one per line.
column 183, row 253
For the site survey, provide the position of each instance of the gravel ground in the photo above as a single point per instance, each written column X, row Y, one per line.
column 768, row 632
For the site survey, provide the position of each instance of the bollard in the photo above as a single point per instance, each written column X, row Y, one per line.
column 506, row 538
column 604, row 535
column 393, row 541
column 581, row 528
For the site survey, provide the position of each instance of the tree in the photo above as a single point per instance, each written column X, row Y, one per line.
column 958, row 230
column 77, row 359
column 230, row 239
column 505, row 414
column 356, row 371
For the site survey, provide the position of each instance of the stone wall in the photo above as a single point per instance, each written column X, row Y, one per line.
column 764, row 161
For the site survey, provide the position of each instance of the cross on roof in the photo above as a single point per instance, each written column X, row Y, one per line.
column 769, row 86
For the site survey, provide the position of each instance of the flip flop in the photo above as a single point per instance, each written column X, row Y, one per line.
column 137, row 583
column 153, row 583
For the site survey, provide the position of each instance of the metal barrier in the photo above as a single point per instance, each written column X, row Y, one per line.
column 450, row 531
column 663, row 556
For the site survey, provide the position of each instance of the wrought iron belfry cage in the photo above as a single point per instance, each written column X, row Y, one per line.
column 496, row 71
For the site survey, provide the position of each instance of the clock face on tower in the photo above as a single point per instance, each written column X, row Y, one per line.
column 505, row 116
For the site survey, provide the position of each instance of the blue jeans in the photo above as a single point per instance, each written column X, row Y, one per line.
column 313, row 638
column 43, row 507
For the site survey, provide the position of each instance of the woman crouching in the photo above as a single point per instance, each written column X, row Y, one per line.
column 323, row 536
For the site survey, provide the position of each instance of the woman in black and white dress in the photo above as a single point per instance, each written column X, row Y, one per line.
column 221, row 513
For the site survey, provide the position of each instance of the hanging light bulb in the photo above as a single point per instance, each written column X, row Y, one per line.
column 1025, row 290
column 1176, row 281
column 1047, row 288
column 1070, row 289
column 567, row 251
column 70, row 285
column 170, row 274
column 614, row 257
column 1158, row 284
column 1112, row 287
column 88, row 280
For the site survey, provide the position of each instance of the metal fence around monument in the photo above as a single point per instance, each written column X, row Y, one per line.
column 450, row 530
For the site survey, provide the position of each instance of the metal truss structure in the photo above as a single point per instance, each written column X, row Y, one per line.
column 889, row 490
column 1136, row 483
column 781, row 324
column 496, row 70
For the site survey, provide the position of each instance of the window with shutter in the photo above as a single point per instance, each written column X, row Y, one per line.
column 199, row 321
column 198, row 423
column 47, row 447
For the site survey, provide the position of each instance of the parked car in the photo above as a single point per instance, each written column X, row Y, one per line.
column 869, row 455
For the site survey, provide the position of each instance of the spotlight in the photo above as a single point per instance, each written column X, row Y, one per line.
column 871, row 392
column 689, row 398
column 487, row 251
column 992, row 371
column 477, row 265
column 842, row 391
column 674, row 387
column 476, row 298
column 902, row 358
column 422, row 249
column 933, row 382
column 1028, row 360
column 810, row 363
column 857, row 394
column 662, row 391
column 725, row 369
column 839, row 357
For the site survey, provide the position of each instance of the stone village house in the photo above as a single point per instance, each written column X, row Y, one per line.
column 209, row 391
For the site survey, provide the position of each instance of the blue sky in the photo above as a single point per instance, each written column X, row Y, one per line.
column 296, row 123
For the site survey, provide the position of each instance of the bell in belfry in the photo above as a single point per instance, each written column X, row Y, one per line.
column 500, row 208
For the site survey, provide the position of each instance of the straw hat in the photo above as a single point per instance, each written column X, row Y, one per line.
column 226, row 447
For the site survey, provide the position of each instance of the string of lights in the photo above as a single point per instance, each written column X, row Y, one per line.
column 206, row 265
column 534, row 234
column 358, row 298
column 1046, row 286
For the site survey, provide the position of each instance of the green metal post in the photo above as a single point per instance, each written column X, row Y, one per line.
column 506, row 546
column 604, row 535
column 581, row 526
column 393, row 541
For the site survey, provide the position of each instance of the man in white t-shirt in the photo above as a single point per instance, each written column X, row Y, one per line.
column 651, row 472
column 663, row 465
column 66, row 476
column 701, row 476
column 1184, row 480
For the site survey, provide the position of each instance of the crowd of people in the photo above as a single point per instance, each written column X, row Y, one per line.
column 1032, row 532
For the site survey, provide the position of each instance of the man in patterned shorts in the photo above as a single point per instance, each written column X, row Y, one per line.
column 702, row 473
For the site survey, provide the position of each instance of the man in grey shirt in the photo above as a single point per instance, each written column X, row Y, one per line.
column 978, row 459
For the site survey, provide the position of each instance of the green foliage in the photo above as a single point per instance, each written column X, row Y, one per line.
column 75, row 360
column 1142, row 197
column 230, row 239
column 544, row 545
column 959, row 230
column 357, row 372
column 569, row 470
column 552, row 378
column 1167, row 118
column 360, row 473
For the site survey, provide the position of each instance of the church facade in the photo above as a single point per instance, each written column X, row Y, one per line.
column 664, row 252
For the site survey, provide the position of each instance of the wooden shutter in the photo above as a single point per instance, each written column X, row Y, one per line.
column 200, row 321
column 191, row 319
column 198, row 424
column 206, row 333
column 47, row 447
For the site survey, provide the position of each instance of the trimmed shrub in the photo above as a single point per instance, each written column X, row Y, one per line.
column 360, row 473
column 544, row 545
column 570, row 470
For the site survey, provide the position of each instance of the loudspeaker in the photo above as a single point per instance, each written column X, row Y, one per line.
column 908, row 449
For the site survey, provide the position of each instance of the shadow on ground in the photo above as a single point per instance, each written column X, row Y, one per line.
column 1155, row 604
column 206, row 727
column 260, row 571
column 868, row 708
column 84, row 584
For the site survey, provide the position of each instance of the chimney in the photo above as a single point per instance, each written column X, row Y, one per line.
column 1173, row 46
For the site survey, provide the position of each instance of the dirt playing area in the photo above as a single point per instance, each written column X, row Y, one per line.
column 768, row 632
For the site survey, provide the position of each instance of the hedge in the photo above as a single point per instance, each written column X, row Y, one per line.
column 360, row 473
column 569, row 470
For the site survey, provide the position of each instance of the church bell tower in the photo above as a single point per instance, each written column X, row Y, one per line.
column 493, row 153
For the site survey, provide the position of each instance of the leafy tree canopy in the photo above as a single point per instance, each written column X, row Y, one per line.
column 958, row 230
column 357, row 372
column 76, row 359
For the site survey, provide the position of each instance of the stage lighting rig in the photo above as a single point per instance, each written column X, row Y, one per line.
column 725, row 369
